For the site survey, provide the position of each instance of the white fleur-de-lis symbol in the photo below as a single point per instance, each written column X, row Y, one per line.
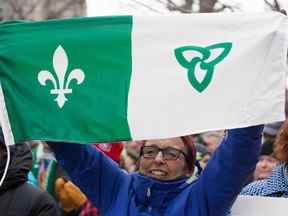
column 60, row 64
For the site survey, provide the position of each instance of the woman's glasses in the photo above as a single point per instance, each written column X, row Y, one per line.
column 168, row 153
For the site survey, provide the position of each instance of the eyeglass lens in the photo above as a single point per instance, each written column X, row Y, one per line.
column 168, row 153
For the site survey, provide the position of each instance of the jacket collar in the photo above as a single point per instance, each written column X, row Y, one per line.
column 154, row 193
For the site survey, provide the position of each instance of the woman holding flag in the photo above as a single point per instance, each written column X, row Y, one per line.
column 110, row 99
column 163, row 185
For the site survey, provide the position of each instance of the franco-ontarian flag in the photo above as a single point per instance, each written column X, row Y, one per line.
column 102, row 79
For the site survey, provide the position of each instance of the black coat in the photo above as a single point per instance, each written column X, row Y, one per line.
column 17, row 197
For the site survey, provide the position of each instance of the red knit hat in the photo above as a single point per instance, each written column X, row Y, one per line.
column 112, row 150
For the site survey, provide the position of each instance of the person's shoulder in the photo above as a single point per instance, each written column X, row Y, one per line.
column 35, row 200
column 34, row 193
column 255, row 188
column 42, row 202
column 28, row 189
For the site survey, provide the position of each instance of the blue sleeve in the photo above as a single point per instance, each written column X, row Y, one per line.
column 98, row 176
column 229, row 168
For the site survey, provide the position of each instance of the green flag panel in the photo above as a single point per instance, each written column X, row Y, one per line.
column 75, row 76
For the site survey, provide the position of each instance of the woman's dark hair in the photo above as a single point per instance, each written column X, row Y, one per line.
column 191, row 152
column 281, row 143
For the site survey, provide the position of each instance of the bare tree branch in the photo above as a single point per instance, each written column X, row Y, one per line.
column 31, row 9
column 185, row 8
column 41, row 9
column 65, row 6
column 1, row 14
column 20, row 12
column 206, row 6
column 47, row 6
column 15, row 8
column 68, row 5
column 162, row 2
column 275, row 6
column 224, row 6
column 270, row 5
column 146, row 6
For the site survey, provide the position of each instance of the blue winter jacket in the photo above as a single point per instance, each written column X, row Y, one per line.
column 116, row 193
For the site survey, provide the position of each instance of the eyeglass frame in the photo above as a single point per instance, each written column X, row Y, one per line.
column 162, row 150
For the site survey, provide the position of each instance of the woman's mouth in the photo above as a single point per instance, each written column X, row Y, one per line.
column 157, row 172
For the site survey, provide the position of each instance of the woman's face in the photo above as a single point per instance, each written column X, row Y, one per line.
column 156, row 165
column 264, row 167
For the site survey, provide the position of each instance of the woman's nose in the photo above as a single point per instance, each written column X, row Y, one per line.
column 263, row 164
column 159, row 157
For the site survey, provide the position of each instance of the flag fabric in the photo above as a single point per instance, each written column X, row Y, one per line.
column 104, row 79
column 259, row 206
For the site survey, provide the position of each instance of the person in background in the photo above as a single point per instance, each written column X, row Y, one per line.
column 130, row 156
column 112, row 150
column 270, row 131
column 17, row 196
column 212, row 140
column 267, row 161
column 203, row 156
column 276, row 185
column 205, row 159
column 36, row 148
column 54, row 180
column 162, row 186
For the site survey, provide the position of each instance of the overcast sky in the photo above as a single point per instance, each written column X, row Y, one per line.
column 112, row 7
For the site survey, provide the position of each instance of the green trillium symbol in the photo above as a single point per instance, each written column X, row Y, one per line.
column 206, row 59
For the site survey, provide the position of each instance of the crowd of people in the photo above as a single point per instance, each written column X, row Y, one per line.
column 177, row 176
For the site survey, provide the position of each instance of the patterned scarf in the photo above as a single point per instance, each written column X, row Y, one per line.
column 276, row 185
